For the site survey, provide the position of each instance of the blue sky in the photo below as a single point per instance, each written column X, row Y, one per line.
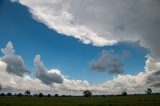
column 67, row 54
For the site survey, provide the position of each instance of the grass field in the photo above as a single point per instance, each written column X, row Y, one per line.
column 81, row 101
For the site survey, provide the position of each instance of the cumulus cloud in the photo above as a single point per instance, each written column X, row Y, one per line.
column 62, row 84
column 109, row 61
column 15, row 63
column 13, row 81
column 47, row 77
column 103, row 22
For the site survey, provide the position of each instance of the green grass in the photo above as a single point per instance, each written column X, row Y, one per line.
column 81, row 101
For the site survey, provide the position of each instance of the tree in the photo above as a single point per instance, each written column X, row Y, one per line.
column 124, row 93
column 20, row 95
column 2, row 94
column 9, row 94
column 148, row 91
column 27, row 93
column 87, row 93
column 56, row 95
column 49, row 95
column 40, row 95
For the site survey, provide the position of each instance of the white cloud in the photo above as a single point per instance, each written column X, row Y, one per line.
column 105, row 22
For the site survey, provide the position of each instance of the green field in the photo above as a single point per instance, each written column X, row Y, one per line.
column 81, row 101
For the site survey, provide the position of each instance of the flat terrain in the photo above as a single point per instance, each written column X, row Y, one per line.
column 81, row 101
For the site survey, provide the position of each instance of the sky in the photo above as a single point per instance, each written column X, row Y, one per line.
column 68, row 46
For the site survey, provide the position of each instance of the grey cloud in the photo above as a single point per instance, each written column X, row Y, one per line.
column 15, row 63
column 42, row 73
column 154, row 79
column 108, row 61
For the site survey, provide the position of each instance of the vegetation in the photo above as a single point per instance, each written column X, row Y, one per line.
column 124, row 93
column 27, row 99
column 87, row 93
column 148, row 91
column 140, row 100
column 27, row 93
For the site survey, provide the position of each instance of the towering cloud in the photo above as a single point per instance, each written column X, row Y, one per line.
column 109, row 61
column 47, row 77
column 15, row 63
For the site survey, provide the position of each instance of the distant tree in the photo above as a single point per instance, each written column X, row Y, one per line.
column 27, row 93
column 35, row 94
column 0, row 87
column 20, row 95
column 148, row 91
column 49, row 95
column 56, row 95
column 124, row 93
column 2, row 94
column 9, row 94
column 63, row 95
column 87, row 93
column 40, row 95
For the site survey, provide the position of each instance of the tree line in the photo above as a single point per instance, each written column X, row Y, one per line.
column 86, row 93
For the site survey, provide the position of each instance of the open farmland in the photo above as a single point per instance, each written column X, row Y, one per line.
column 81, row 101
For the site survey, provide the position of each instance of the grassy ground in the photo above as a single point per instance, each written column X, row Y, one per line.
column 81, row 101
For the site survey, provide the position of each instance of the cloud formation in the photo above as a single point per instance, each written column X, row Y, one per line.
column 53, row 81
column 109, row 61
column 15, row 63
column 103, row 22
column 47, row 77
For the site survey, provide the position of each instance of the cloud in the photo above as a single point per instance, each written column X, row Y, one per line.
column 64, row 85
column 103, row 22
column 109, row 61
column 47, row 77
column 154, row 79
column 15, row 63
